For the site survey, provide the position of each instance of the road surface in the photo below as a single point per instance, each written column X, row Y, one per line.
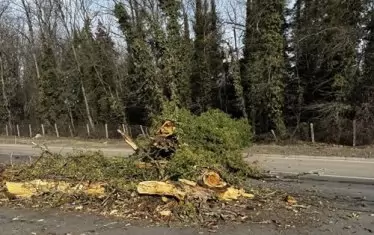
column 317, row 166
column 313, row 166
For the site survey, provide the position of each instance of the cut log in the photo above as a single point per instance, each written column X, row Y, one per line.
column 35, row 187
column 161, row 189
column 212, row 180
column 167, row 129
column 234, row 194
column 128, row 140
column 183, row 190
column 186, row 189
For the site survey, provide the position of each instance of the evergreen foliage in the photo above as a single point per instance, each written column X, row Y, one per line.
column 301, row 62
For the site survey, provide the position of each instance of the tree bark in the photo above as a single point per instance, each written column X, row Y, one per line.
column 5, row 97
column 88, row 111
column 31, row 32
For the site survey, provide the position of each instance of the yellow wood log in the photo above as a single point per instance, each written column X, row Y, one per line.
column 161, row 189
column 167, row 129
column 234, row 194
column 213, row 180
column 128, row 140
column 30, row 188
column 185, row 189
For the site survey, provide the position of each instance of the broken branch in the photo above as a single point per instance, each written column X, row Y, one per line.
column 128, row 140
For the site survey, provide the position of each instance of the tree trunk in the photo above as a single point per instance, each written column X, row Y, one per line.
column 71, row 117
column 88, row 112
column 5, row 97
column 239, row 86
column 90, row 120
column 31, row 40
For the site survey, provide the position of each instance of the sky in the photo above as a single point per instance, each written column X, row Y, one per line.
column 228, row 10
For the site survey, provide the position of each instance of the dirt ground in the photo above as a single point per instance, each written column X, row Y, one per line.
column 339, row 209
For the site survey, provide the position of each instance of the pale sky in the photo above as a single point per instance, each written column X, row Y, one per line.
column 228, row 10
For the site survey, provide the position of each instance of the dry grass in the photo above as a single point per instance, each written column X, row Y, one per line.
column 63, row 141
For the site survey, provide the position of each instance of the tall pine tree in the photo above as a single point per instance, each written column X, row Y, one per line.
column 367, row 83
column 175, row 68
column 264, row 64
column 146, row 94
column 208, row 59
column 51, row 107
column 325, row 41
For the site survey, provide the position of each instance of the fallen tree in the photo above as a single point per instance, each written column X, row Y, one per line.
column 189, row 159
column 185, row 145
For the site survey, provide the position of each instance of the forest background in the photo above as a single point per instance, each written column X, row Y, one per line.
column 280, row 64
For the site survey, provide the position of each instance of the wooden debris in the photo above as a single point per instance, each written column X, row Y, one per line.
column 188, row 182
column 35, row 187
column 234, row 194
column 195, row 191
column 179, row 190
column 167, row 129
column 150, row 165
column 128, row 140
column 213, row 180
column 165, row 213
column 162, row 146
column 143, row 165
column 290, row 200
column 165, row 142
column 186, row 189
column 161, row 189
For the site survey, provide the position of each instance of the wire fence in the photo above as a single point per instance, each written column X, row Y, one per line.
column 354, row 135
column 99, row 131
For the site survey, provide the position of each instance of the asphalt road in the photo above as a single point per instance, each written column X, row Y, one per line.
column 349, row 169
column 360, row 169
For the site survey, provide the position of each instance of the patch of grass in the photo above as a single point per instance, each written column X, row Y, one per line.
column 93, row 166
column 64, row 141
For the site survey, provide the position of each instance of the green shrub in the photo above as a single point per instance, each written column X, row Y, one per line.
column 211, row 140
column 189, row 163
column 213, row 130
column 90, row 165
